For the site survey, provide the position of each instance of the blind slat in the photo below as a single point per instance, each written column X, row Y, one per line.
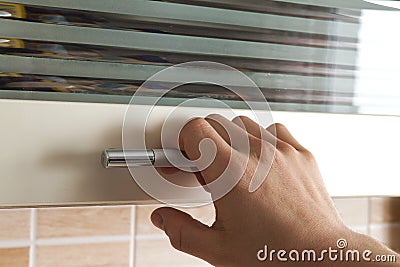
column 204, row 15
column 315, row 59
column 74, row 68
column 174, row 43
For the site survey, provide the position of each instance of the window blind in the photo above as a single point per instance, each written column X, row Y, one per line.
column 303, row 56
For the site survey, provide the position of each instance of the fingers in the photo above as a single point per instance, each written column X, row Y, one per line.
column 214, row 121
column 277, row 129
column 264, row 149
column 223, row 134
column 254, row 129
column 233, row 135
column 283, row 134
column 190, row 138
column 185, row 233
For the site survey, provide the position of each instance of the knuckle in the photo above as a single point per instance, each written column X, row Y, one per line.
column 260, row 152
column 279, row 158
column 285, row 148
column 258, row 146
column 196, row 126
column 176, row 244
column 308, row 155
column 179, row 236
column 240, row 120
column 268, row 148
column 280, row 126
column 214, row 116
column 175, row 237
column 276, row 126
column 185, row 244
column 196, row 123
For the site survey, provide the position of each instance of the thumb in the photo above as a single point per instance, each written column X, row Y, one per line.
column 185, row 233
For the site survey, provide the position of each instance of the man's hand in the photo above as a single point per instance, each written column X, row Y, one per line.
column 291, row 210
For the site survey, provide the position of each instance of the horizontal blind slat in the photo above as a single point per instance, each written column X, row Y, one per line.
column 174, row 43
column 74, row 68
column 197, row 14
column 352, row 4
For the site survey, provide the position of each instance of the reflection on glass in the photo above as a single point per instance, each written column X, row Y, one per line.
column 322, row 58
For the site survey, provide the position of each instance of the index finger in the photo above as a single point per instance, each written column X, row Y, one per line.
column 190, row 137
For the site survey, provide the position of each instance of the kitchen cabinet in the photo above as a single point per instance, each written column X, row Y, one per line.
column 68, row 70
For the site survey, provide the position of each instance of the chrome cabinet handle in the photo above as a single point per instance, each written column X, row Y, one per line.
column 111, row 158
column 138, row 158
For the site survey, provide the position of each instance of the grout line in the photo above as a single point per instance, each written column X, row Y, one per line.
column 152, row 237
column 23, row 243
column 132, row 246
column 369, row 216
column 82, row 240
column 99, row 206
column 359, row 229
column 383, row 225
column 33, row 233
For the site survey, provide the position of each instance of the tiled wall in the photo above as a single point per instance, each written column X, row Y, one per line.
column 375, row 216
column 97, row 236
column 124, row 237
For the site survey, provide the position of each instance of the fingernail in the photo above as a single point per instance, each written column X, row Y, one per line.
column 157, row 220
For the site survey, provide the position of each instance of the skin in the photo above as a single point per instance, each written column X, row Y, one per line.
column 290, row 210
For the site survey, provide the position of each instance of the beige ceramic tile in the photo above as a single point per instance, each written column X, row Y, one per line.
column 355, row 212
column 88, row 221
column 385, row 210
column 205, row 214
column 159, row 253
column 88, row 255
column 143, row 224
column 14, row 224
column 388, row 234
column 18, row 257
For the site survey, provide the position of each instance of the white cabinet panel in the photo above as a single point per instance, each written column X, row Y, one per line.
column 357, row 154
column 51, row 152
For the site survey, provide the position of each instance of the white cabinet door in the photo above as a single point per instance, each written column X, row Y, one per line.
column 303, row 58
column 51, row 152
